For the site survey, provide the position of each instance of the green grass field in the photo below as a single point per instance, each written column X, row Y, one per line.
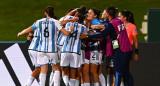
column 16, row 15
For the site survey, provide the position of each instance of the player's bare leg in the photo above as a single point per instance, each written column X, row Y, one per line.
column 86, row 74
column 94, row 73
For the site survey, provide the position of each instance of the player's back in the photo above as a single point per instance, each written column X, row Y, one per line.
column 61, row 36
column 48, row 34
column 73, row 43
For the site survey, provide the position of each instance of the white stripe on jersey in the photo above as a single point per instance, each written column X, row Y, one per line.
column 61, row 38
column 35, row 40
column 48, row 34
column 73, row 43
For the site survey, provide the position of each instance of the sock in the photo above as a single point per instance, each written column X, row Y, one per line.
column 102, row 80
column 122, row 83
column 77, row 83
column 86, row 84
column 82, row 85
column 42, row 79
column 96, row 84
column 56, row 78
column 108, row 79
column 66, row 80
column 51, row 79
column 72, row 82
column 30, row 81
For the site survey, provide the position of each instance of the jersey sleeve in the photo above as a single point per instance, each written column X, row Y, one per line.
column 96, row 22
column 67, row 25
column 35, row 25
column 58, row 25
column 134, row 31
column 68, row 17
column 109, row 30
column 61, row 19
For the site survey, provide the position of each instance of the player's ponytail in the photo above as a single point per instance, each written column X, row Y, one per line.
column 50, row 11
column 129, row 16
column 81, row 13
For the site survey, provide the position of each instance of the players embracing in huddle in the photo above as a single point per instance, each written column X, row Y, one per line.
column 76, row 47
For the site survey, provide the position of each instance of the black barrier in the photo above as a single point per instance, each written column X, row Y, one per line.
column 153, row 24
column 14, row 57
column 146, row 71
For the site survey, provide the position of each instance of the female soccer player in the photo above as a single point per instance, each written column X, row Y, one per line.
column 72, row 48
column 121, row 45
column 32, row 50
column 107, row 52
column 47, row 49
column 92, row 52
column 128, row 19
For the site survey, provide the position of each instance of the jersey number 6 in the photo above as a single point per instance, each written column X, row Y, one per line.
column 46, row 33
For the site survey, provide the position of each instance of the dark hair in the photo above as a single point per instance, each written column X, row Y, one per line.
column 81, row 13
column 50, row 11
column 112, row 11
column 129, row 15
column 96, row 12
column 70, row 10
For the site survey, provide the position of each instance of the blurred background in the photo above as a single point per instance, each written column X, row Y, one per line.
column 16, row 15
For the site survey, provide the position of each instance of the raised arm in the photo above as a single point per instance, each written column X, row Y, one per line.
column 72, row 12
column 25, row 31
column 69, row 20
column 67, row 32
column 109, row 30
column 98, row 27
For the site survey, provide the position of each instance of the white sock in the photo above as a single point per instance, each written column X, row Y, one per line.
column 42, row 79
column 66, row 80
column 51, row 79
column 56, row 78
column 30, row 81
column 102, row 80
column 72, row 82
column 96, row 84
column 77, row 83
column 86, row 84
column 122, row 83
column 108, row 79
column 82, row 85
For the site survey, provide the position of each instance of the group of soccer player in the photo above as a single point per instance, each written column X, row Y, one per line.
column 77, row 44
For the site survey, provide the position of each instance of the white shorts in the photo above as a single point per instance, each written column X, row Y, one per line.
column 33, row 57
column 59, row 48
column 47, row 58
column 101, row 58
column 70, row 59
column 94, row 57
column 82, row 56
column 86, row 61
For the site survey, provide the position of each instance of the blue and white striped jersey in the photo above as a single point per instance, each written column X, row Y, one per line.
column 35, row 40
column 48, row 34
column 72, row 43
column 61, row 37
